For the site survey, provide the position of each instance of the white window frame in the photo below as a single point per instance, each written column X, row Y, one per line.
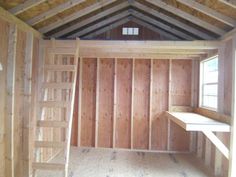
column 213, row 83
column 130, row 31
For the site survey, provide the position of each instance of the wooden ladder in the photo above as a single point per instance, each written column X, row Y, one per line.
column 55, row 106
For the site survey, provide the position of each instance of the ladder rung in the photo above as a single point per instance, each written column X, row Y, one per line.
column 58, row 85
column 48, row 166
column 49, row 144
column 50, row 123
column 54, row 104
column 60, row 67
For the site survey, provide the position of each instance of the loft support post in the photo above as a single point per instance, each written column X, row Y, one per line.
column 232, row 156
column 11, row 71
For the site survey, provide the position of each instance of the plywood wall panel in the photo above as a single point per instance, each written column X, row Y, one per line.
column 4, row 29
column 19, row 102
column 180, row 96
column 141, row 104
column 88, row 102
column 105, row 113
column 181, row 82
column 159, row 104
column 123, row 110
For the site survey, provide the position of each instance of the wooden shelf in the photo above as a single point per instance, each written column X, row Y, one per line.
column 196, row 122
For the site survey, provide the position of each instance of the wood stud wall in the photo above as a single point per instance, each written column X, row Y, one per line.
column 123, row 100
column 19, row 53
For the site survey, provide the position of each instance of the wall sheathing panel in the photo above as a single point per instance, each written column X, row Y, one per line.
column 159, row 104
column 4, row 30
column 105, row 113
column 117, row 118
column 19, row 100
column 88, row 102
column 123, row 112
column 180, row 96
column 22, row 129
column 141, row 104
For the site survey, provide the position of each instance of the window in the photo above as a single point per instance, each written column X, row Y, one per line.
column 130, row 31
column 209, row 83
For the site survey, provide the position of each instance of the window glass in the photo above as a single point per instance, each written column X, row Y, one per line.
column 209, row 83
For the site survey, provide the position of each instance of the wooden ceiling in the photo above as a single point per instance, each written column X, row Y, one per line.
column 175, row 19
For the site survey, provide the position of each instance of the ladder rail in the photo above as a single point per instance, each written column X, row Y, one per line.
column 69, row 130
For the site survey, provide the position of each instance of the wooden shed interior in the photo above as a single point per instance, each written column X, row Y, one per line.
column 114, row 88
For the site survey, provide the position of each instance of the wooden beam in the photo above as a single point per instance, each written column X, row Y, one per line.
column 207, row 45
column 89, row 53
column 51, row 12
column 132, row 108
column 210, row 12
column 161, row 25
column 11, row 71
column 106, row 28
column 100, row 24
column 218, row 156
column 228, row 35
column 169, row 101
column 92, row 19
column 27, row 107
column 80, row 100
column 187, row 16
column 207, row 152
column 222, row 148
column 97, row 102
column 230, row 3
column 199, row 144
column 169, row 36
column 171, row 20
column 25, row 6
column 114, row 103
column 6, row 16
column 76, row 15
column 150, row 106
column 232, row 158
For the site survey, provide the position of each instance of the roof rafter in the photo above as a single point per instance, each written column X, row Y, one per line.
column 100, row 24
column 230, row 3
column 25, row 6
column 153, row 28
column 76, row 15
column 187, row 16
column 53, row 11
column 91, row 19
column 171, row 20
column 107, row 28
column 161, row 25
column 210, row 12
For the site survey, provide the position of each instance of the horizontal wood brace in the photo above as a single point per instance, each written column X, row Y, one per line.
column 54, row 104
column 48, row 166
column 64, row 85
column 60, row 67
column 49, row 144
column 55, row 124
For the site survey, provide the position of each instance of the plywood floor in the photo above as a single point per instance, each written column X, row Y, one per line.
column 109, row 163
